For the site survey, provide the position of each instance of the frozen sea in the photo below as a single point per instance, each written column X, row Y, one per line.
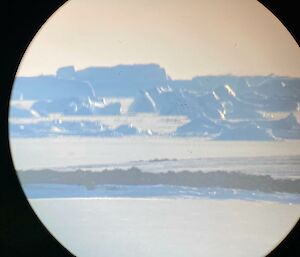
column 159, row 221
column 157, row 154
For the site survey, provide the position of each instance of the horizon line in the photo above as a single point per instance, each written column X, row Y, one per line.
column 271, row 74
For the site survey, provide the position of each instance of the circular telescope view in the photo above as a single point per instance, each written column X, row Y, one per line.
column 160, row 128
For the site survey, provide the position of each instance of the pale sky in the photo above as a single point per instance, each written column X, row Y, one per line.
column 186, row 37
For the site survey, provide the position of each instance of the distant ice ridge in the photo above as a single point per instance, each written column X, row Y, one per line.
column 136, row 177
column 117, row 81
column 273, row 93
column 274, row 166
column 153, row 191
column 218, row 107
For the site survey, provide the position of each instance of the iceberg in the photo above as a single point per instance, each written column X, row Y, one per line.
column 75, row 106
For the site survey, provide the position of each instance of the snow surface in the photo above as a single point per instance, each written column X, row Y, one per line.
column 274, row 157
column 166, row 227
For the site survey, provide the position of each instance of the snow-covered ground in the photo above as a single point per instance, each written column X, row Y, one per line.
column 166, row 227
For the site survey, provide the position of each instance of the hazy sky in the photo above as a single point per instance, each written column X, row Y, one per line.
column 187, row 37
